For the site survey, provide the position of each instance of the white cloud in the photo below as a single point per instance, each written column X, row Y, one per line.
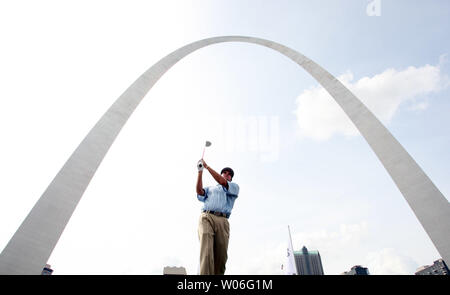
column 332, row 245
column 419, row 106
column 335, row 245
column 320, row 117
column 264, row 260
column 389, row 262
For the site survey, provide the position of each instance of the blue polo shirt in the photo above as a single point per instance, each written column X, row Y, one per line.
column 218, row 198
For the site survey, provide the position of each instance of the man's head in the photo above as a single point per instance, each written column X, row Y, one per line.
column 228, row 173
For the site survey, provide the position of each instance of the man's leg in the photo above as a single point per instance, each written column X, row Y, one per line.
column 206, row 237
column 221, row 244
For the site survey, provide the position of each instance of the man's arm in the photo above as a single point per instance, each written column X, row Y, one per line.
column 219, row 178
column 199, row 187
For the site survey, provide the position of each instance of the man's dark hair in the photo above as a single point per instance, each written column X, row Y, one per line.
column 229, row 171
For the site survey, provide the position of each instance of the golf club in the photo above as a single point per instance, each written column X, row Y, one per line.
column 207, row 143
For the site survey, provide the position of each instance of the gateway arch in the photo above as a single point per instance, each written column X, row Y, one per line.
column 30, row 247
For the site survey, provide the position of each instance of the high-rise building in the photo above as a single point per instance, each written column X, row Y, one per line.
column 47, row 270
column 308, row 262
column 174, row 270
column 438, row 268
column 357, row 270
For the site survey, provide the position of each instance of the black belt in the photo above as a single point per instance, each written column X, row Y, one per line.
column 217, row 213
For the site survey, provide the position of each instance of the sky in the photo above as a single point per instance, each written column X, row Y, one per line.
column 297, row 158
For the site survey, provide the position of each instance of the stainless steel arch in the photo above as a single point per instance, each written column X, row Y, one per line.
column 32, row 244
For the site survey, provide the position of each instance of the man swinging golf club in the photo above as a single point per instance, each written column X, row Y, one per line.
column 213, row 227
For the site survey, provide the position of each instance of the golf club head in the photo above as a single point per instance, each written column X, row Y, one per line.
column 207, row 143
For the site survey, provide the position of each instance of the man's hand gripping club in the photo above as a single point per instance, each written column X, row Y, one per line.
column 201, row 164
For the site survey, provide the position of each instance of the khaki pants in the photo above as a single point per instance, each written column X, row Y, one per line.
column 213, row 233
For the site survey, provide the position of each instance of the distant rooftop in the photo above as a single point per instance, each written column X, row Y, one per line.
column 309, row 252
column 174, row 270
column 305, row 250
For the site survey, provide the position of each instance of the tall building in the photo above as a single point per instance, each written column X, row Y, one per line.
column 308, row 262
column 174, row 270
column 357, row 270
column 47, row 270
column 438, row 268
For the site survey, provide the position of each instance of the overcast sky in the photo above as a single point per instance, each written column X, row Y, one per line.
column 297, row 159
